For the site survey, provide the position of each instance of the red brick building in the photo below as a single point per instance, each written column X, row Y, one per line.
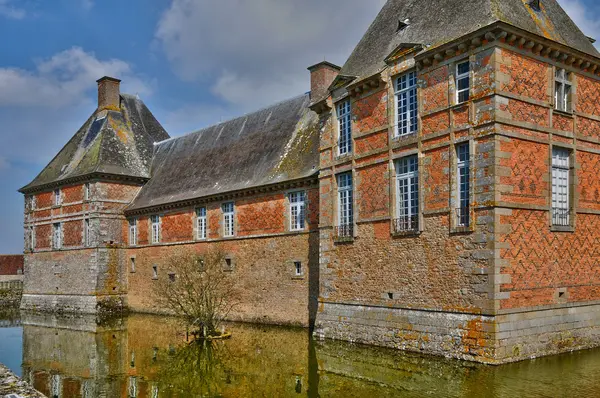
column 11, row 265
column 437, row 193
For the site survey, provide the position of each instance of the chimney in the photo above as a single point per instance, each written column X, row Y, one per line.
column 321, row 77
column 109, row 93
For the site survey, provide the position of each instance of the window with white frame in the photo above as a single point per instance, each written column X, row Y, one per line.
column 201, row 223
column 57, row 236
column 560, row 186
column 407, row 194
column 133, row 231
column 228, row 219
column 87, row 233
column 562, row 90
column 406, row 104
column 86, row 191
column 344, row 117
column 463, row 81
column 57, row 197
column 155, row 220
column 31, row 238
column 463, row 184
column 298, row 268
column 297, row 210
column 345, row 205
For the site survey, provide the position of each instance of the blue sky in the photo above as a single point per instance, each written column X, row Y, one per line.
column 194, row 63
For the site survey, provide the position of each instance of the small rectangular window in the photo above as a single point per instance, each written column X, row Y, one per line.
column 463, row 82
column 407, row 194
column 155, row 228
column 57, row 197
column 297, row 210
column 298, row 268
column 562, row 90
column 344, row 117
column 345, row 205
column 171, row 277
column 57, row 236
column 155, row 272
column 133, row 232
column 561, row 207
column 87, row 233
column 132, row 264
column 406, row 104
column 201, row 223
column 86, row 191
column 463, row 185
column 228, row 219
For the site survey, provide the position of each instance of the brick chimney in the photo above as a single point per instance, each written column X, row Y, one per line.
column 321, row 77
column 109, row 93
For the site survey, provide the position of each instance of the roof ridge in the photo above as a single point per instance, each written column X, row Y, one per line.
column 264, row 108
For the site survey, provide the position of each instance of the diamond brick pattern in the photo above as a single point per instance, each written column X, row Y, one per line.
column 525, row 112
column 371, row 112
column 261, row 215
column 371, row 143
column 588, row 96
column 373, row 198
column 589, row 185
column 588, row 127
column 434, row 91
column 528, row 77
column 528, row 168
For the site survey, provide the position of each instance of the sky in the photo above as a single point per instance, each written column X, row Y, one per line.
column 193, row 62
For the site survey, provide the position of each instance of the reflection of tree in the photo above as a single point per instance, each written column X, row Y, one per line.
column 197, row 369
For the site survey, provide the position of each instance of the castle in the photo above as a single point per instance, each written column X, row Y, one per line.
column 438, row 193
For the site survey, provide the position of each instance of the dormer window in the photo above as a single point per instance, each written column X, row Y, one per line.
column 402, row 24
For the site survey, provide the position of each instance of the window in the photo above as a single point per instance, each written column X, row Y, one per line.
column 463, row 185
column 562, row 90
column 57, row 197
column 228, row 213
column 87, row 233
column 298, row 268
column 133, row 231
column 201, row 223
column 344, row 116
column 132, row 387
column 155, row 271
column 171, row 277
column 560, row 186
column 29, row 203
column 297, row 211
column 228, row 266
column 155, row 228
column 407, row 194
column 462, row 82
column 31, row 238
column 57, row 236
column 132, row 264
column 86, row 191
column 345, row 207
column 406, row 104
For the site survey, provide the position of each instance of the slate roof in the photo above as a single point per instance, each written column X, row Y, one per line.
column 436, row 22
column 111, row 142
column 276, row 144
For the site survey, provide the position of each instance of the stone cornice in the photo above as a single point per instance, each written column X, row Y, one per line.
column 96, row 176
column 282, row 186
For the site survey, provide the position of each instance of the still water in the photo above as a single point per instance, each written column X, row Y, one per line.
column 146, row 356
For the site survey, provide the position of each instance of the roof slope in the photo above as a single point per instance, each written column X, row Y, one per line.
column 110, row 141
column 435, row 22
column 276, row 144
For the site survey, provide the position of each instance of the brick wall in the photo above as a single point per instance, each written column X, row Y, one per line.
column 11, row 264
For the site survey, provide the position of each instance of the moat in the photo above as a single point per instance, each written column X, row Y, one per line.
column 147, row 356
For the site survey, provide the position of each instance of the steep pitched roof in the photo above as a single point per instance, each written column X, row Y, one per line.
column 436, row 22
column 116, row 142
column 276, row 144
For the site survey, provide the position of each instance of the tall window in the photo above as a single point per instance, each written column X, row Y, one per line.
column 463, row 82
column 57, row 236
column 297, row 211
column 406, row 104
column 407, row 194
column 201, row 223
column 562, row 90
column 133, row 231
column 86, row 191
column 344, row 127
column 463, row 184
column 31, row 238
column 560, row 186
column 155, row 228
column 345, row 208
column 87, row 233
column 57, row 197
column 228, row 214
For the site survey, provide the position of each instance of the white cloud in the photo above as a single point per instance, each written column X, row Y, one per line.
column 257, row 52
column 9, row 10
column 583, row 18
column 63, row 79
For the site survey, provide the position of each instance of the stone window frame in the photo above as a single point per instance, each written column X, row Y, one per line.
column 152, row 222
column 30, row 238
column 132, row 263
column 459, row 76
column 57, row 197
column 338, row 119
column 154, row 272
column 87, row 232
column 132, row 228
column 572, row 188
column 563, row 78
column 223, row 219
column 87, row 192
column 455, row 227
column 228, row 263
column 197, row 220
column 57, row 232
column 394, row 208
column 290, row 205
column 349, row 237
column 395, row 80
column 294, row 266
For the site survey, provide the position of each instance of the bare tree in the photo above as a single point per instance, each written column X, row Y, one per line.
column 197, row 289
